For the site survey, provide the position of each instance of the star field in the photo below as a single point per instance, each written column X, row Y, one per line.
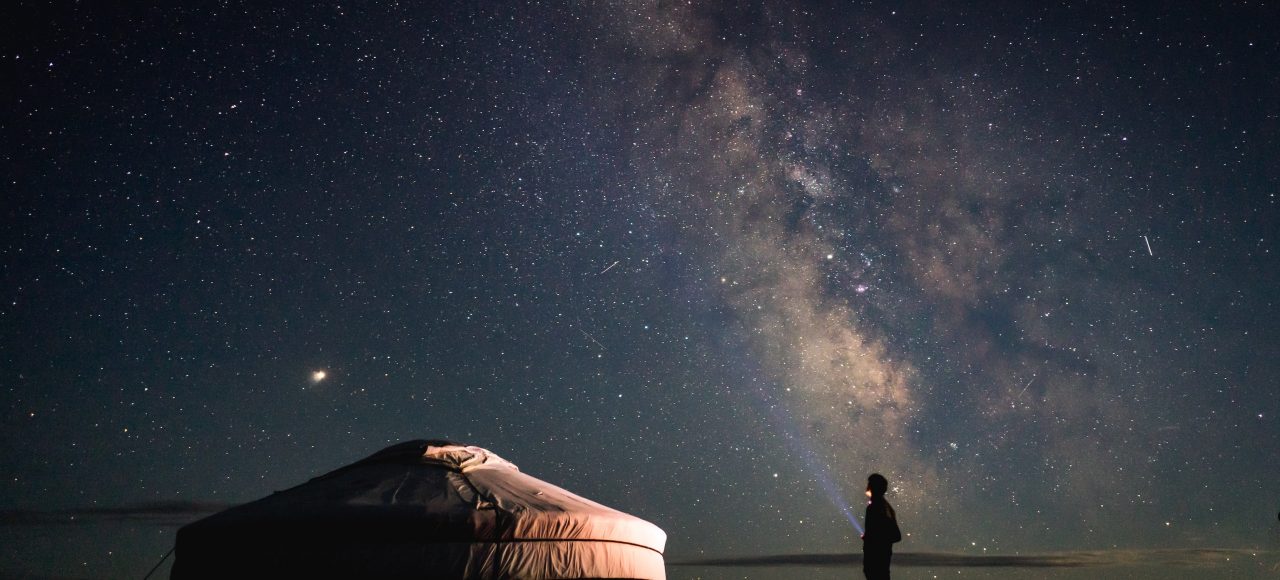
column 710, row 264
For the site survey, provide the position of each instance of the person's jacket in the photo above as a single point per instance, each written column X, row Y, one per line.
column 881, row 525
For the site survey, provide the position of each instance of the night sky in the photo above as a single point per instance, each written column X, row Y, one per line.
column 709, row 264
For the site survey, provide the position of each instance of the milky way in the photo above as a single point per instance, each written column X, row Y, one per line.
column 945, row 285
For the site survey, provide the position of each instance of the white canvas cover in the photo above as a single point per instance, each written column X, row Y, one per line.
column 422, row 509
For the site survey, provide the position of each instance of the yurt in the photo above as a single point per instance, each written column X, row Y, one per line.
column 421, row 509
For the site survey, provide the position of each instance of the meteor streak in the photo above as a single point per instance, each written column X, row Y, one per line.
column 592, row 338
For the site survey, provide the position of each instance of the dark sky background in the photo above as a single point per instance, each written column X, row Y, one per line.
column 710, row 264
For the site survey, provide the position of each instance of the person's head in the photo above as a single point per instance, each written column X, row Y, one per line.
column 877, row 485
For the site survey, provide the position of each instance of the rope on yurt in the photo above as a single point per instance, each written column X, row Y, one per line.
column 157, row 566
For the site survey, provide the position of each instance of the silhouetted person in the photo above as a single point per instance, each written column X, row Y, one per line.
column 881, row 530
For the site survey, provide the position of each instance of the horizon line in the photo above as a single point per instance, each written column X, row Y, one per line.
column 1065, row 559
